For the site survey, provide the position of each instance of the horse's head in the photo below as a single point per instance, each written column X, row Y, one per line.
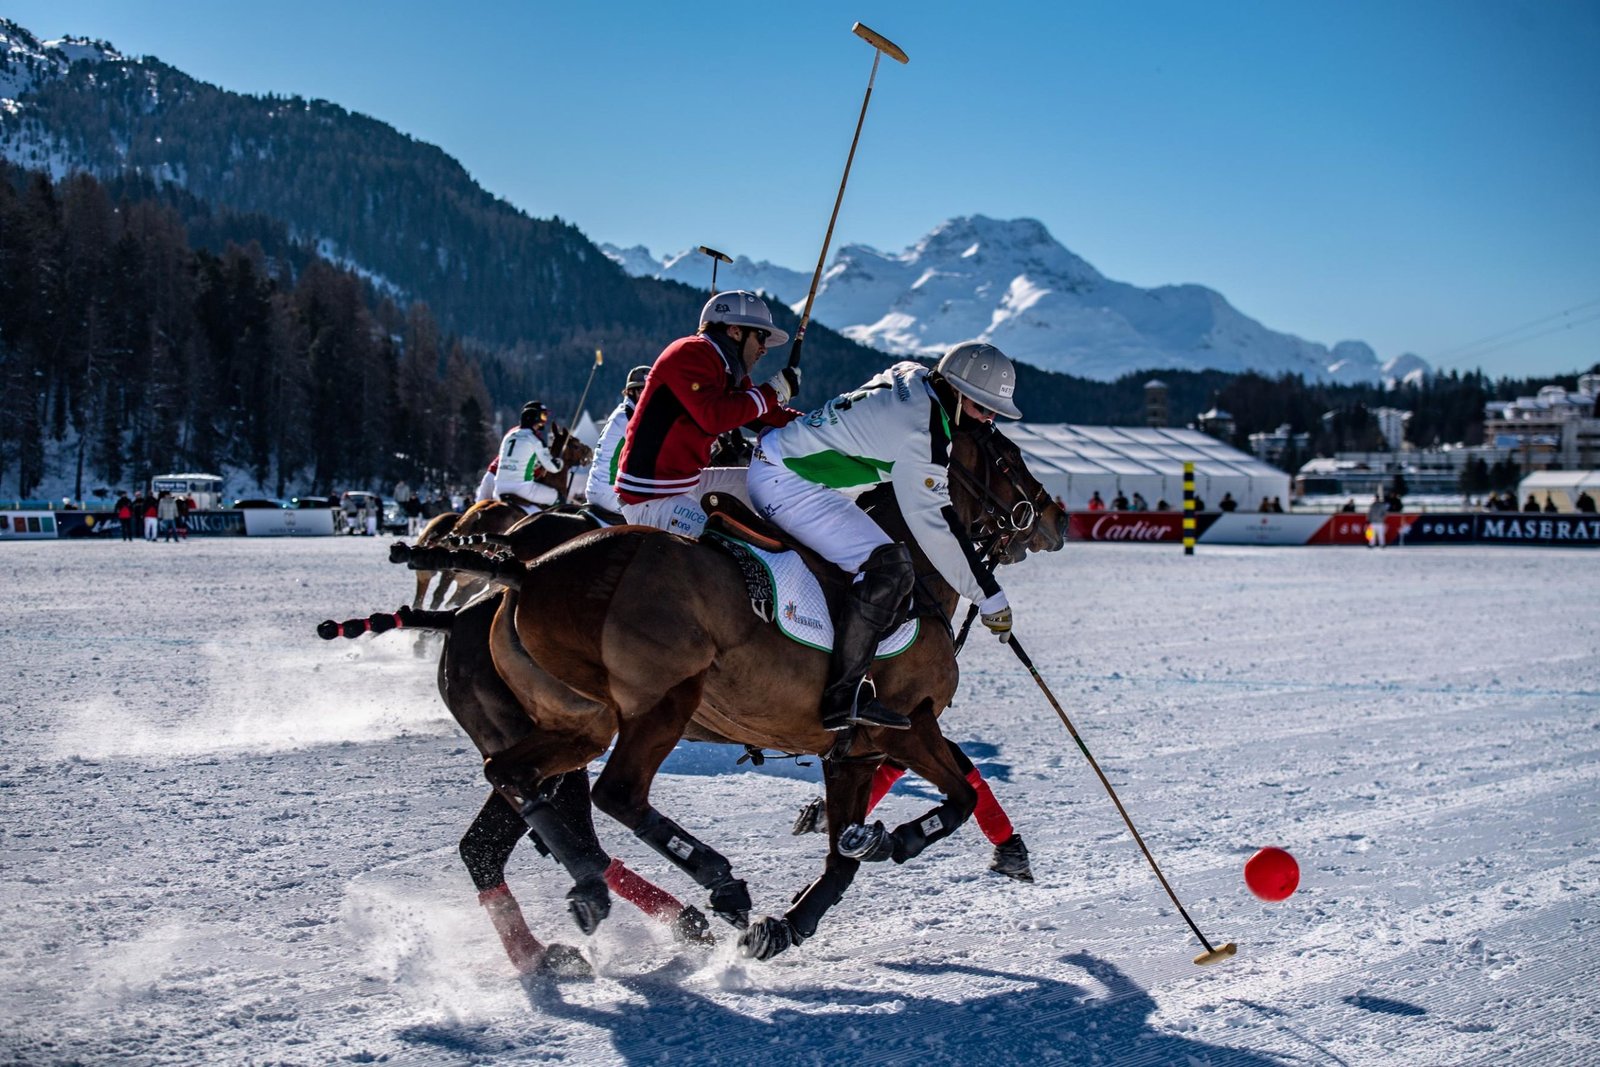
column 1007, row 512
column 569, row 450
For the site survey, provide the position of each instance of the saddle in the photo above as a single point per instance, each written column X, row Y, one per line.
column 526, row 505
column 733, row 528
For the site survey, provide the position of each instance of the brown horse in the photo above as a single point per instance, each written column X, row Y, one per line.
column 559, row 818
column 487, row 517
column 655, row 635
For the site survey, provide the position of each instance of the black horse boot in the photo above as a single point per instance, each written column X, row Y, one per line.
column 871, row 611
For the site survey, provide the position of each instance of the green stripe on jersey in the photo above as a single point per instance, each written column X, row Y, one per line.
column 837, row 470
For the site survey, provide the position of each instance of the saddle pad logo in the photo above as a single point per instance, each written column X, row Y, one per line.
column 804, row 615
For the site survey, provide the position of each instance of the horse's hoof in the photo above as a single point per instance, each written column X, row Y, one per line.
column 869, row 844
column 590, row 902
column 765, row 939
column 563, row 961
column 691, row 927
column 813, row 818
column 731, row 902
column 1011, row 859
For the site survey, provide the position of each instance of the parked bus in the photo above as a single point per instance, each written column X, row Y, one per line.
column 206, row 489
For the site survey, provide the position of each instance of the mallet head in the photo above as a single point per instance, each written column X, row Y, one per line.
column 714, row 254
column 880, row 42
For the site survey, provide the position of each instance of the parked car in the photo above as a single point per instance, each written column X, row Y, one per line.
column 315, row 502
column 261, row 502
column 394, row 518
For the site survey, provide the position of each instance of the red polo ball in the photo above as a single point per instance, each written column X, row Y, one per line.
column 1272, row 874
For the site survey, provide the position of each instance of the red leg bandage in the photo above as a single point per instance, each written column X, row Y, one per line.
column 650, row 899
column 991, row 816
column 883, row 780
column 521, row 946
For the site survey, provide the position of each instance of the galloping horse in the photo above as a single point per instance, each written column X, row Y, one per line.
column 488, row 517
column 655, row 637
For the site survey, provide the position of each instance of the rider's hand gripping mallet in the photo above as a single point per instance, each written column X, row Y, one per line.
column 716, row 257
column 881, row 46
column 1210, row 955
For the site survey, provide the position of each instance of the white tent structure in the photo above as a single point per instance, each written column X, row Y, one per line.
column 1074, row 462
column 1562, row 487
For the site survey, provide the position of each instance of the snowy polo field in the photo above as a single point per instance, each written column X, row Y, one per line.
column 226, row 841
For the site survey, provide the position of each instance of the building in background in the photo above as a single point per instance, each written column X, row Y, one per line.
column 1156, row 411
column 1555, row 430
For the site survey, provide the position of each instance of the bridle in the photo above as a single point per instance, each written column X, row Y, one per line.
column 998, row 524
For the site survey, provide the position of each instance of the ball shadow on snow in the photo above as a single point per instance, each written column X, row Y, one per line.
column 1033, row 1018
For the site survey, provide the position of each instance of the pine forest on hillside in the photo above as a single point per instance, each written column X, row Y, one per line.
column 163, row 333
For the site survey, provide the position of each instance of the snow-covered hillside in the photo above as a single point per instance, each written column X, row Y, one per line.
column 26, row 61
column 226, row 842
column 1012, row 283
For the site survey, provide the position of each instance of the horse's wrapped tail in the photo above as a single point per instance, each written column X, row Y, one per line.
column 407, row 618
column 420, row 558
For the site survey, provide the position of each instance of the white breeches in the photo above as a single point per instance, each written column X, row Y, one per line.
column 823, row 519
column 682, row 514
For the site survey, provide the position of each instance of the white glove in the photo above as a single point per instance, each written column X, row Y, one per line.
column 995, row 613
column 786, row 383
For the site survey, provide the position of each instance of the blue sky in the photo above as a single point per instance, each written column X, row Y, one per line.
column 1422, row 175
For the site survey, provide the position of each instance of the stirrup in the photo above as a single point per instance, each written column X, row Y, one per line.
column 865, row 710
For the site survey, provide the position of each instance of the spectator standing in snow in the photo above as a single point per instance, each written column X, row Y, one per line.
column 600, row 490
column 698, row 388
column 124, row 509
column 1377, row 520
column 167, row 514
column 152, row 519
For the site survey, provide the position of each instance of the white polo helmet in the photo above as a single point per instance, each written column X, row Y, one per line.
column 740, row 307
column 983, row 374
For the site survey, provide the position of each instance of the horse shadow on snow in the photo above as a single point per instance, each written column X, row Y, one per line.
column 1032, row 1019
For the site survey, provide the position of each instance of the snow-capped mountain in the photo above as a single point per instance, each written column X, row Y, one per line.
column 693, row 269
column 26, row 61
column 1012, row 284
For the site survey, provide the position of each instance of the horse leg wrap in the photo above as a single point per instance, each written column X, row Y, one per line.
column 912, row 837
column 820, row 896
column 562, row 823
column 730, row 898
column 646, row 896
column 522, row 948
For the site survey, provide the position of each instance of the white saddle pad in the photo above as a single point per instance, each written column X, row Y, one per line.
column 802, row 612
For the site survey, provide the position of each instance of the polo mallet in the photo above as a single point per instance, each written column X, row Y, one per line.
column 598, row 359
column 716, row 257
column 881, row 46
column 1210, row 955
column 576, row 414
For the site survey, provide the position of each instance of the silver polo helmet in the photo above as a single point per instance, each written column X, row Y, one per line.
column 740, row 307
column 983, row 374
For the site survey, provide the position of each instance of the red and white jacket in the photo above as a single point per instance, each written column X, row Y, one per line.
column 695, row 392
